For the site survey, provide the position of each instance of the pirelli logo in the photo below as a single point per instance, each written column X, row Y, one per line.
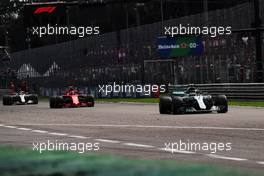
column 48, row 9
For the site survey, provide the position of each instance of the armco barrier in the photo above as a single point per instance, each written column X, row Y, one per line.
column 91, row 90
column 247, row 91
column 3, row 92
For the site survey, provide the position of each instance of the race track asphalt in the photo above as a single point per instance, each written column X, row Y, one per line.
column 139, row 131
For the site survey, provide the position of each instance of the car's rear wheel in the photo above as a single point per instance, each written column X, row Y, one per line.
column 90, row 99
column 34, row 99
column 222, row 103
column 56, row 102
column 52, row 102
column 177, row 106
column 7, row 100
column 165, row 105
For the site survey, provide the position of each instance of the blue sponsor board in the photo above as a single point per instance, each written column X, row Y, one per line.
column 179, row 46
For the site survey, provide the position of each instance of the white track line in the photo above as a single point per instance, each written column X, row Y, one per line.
column 108, row 141
column 148, row 126
column 176, row 151
column 25, row 129
column 130, row 144
column 226, row 158
column 39, row 131
column 138, row 145
column 260, row 162
column 78, row 137
column 12, row 127
column 58, row 134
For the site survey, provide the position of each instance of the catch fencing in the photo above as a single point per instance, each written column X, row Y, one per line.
column 242, row 91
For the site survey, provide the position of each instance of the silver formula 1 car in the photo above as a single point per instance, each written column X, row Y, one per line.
column 192, row 100
column 20, row 98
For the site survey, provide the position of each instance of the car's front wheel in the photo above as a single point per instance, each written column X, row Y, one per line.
column 177, row 106
column 35, row 99
column 7, row 100
column 56, row 102
column 222, row 103
column 90, row 99
column 165, row 105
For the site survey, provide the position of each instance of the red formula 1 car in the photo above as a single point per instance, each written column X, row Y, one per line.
column 71, row 98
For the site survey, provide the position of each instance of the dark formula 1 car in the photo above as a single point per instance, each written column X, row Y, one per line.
column 192, row 100
column 20, row 98
column 71, row 98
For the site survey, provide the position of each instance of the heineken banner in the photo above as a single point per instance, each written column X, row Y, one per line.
column 179, row 46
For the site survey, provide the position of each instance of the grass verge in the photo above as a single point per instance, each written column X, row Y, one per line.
column 18, row 162
column 246, row 103
column 156, row 100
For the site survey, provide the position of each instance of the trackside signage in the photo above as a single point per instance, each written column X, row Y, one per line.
column 179, row 46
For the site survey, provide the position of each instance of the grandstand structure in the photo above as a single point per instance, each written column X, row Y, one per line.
column 127, row 53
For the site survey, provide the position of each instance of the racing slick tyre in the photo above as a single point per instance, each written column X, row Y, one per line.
column 177, row 106
column 34, row 98
column 90, row 99
column 52, row 102
column 56, row 102
column 7, row 100
column 221, row 103
column 165, row 105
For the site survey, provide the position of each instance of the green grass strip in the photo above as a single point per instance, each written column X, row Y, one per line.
column 246, row 103
column 22, row 162
column 156, row 100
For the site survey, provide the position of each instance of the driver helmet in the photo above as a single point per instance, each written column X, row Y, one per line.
column 191, row 89
column 71, row 88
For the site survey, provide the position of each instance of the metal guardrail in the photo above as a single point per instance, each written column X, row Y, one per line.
column 3, row 92
column 91, row 90
column 247, row 91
